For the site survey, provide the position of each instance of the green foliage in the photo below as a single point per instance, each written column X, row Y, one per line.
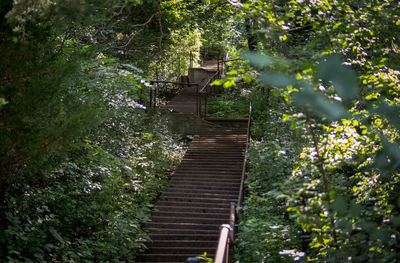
column 266, row 233
column 81, row 163
column 322, row 190
column 91, row 208
column 204, row 258
column 228, row 106
column 340, row 187
column 82, row 199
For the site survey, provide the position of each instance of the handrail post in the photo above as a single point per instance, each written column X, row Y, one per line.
column 198, row 100
column 232, row 220
column 218, row 68
column 205, row 105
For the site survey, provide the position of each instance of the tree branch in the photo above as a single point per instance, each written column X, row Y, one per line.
column 148, row 21
column 323, row 172
column 137, row 32
column 110, row 20
column 160, row 23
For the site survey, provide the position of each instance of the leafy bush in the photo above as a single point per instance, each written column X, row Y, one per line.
column 266, row 233
column 228, row 106
column 88, row 203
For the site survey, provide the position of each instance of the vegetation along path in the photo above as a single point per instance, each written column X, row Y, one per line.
column 187, row 216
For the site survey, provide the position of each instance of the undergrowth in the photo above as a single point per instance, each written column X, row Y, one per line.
column 266, row 233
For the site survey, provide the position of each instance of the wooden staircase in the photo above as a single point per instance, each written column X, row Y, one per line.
column 188, row 215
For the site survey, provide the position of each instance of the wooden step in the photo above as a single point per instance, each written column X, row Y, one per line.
column 217, row 179
column 177, row 190
column 193, row 209
column 175, row 214
column 180, row 226
column 200, row 199
column 166, row 258
column 188, row 220
column 190, row 237
column 195, row 251
column 184, row 243
column 203, row 194
column 191, row 204
column 188, row 183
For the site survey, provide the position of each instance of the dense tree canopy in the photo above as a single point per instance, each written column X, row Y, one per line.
column 326, row 146
column 81, row 162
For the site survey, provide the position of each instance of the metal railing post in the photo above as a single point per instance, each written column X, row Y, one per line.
column 205, row 105
column 198, row 101
column 219, row 76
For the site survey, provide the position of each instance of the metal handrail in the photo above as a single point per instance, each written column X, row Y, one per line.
column 227, row 234
column 154, row 91
column 202, row 91
column 223, row 244
column 208, row 82
column 246, row 153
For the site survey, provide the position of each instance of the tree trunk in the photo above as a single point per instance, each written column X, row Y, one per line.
column 251, row 36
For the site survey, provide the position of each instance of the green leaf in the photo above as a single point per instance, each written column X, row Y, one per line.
column 286, row 117
column 345, row 225
column 248, row 78
column 337, row 25
column 340, row 204
column 276, row 93
column 355, row 209
column 132, row 67
column 259, row 60
column 3, row 101
column 332, row 71
column 233, row 72
column 109, row 60
column 277, row 79
column 55, row 234
column 391, row 112
column 332, row 110
column 217, row 82
column 388, row 157
column 229, row 83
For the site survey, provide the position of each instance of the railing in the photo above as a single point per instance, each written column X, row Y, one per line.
column 202, row 94
column 161, row 87
column 227, row 233
column 203, row 91
column 226, row 238
column 246, row 155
